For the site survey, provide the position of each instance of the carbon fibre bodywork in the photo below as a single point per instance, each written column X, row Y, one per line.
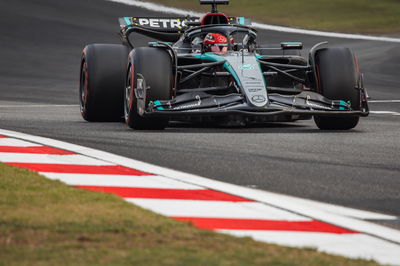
column 251, row 82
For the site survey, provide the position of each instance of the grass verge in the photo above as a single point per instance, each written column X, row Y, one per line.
column 355, row 16
column 45, row 222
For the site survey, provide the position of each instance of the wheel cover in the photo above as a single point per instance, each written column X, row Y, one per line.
column 84, row 87
column 140, row 91
column 128, row 95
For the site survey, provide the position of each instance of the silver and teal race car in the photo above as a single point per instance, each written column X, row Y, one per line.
column 212, row 69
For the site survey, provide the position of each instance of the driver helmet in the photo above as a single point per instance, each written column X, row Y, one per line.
column 215, row 43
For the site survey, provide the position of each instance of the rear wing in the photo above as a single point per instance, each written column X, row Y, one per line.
column 172, row 24
column 167, row 24
column 167, row 29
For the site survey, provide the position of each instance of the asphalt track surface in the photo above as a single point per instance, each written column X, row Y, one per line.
column 40, row 49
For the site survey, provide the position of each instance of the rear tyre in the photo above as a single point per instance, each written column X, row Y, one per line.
column 102, row 82
column 337, row 80
column 149, row 78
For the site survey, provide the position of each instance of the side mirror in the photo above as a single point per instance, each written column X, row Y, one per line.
column 291, row 45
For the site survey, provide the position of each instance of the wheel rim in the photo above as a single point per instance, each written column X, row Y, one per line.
column 83, row 88
column 128, row 95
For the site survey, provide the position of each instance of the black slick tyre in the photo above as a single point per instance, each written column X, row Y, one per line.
column 149, row 78
column 102, row 82
column 337, row 79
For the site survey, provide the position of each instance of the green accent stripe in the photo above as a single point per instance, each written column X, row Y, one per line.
column 229, row 68
column 158, row 107
column 343, row 105
column 128, row 22
column 292, row 43
column 217, row 58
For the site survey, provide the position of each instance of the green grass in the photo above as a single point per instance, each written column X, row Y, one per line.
column 44, row 222
column 357, row 16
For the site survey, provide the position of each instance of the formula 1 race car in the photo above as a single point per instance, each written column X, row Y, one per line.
column 213, row 70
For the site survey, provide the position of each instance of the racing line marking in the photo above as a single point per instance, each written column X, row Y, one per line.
column 383, row 101
column 208, row 204
column 171, row 10
column 384, row 112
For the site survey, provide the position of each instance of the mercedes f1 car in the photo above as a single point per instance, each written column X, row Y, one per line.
column 213, row 69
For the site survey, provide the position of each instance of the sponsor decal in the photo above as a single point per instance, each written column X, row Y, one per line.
column 221, row 39
column 258, row 99
column 247, row 67
column 187, row 106
column 255, row 89
column 161, row 23
column 314, row 105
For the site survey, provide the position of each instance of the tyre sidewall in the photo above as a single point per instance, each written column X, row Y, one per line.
column 337, row 80
column 155, row 66
column 105, row 66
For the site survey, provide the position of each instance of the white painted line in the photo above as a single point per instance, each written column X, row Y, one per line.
column 17, row 143
column 216, row 209
column 119, row 181
column 367, row 246
column 38, row 105
column 285, row 202
column 384, row 101
column 50, row 159
column 345, row 211
column 384, row 112
column 171, row 10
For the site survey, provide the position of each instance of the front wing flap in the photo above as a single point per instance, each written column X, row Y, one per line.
column 306, row 102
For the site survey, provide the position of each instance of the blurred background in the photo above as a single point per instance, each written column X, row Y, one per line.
column 356, row 16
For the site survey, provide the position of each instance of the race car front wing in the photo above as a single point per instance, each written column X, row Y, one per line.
column 306, row 103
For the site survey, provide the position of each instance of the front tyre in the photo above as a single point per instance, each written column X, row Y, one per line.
column 337, row 80
column 149, row 78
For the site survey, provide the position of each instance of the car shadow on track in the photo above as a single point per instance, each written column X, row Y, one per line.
column 254, row 128
column 265, row 128
column 190, row 128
